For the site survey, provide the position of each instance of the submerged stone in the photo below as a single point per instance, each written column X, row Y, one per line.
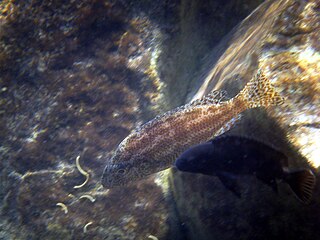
column 75, row 79
column 281, row 38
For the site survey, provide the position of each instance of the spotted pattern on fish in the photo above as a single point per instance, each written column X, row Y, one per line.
column 155, row 145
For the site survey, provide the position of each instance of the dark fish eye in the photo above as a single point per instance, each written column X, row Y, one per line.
column 121, row 171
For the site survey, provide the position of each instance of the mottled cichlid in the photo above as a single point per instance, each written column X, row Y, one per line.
column 230, row 156
column 155, row 145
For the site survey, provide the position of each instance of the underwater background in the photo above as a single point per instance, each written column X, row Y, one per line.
column 77, row 76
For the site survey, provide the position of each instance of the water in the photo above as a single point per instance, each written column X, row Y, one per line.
column 77, row 77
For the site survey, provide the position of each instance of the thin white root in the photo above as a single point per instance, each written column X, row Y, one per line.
column 92, row 199
column 85, row 228
column 63, row 206
column 84, row 173
column 152, row 237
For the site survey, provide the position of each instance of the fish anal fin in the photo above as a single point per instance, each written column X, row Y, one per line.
column 230, row 182
column 302, row 183
column 212, row 98
column 227, row 126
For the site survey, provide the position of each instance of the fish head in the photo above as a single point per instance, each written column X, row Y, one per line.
column 118, row 174
column 123, row 173
column 126, row 165
column 195, row 159
column 186, row 164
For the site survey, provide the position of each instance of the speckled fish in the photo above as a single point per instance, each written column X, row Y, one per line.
column 227, row 157
column 155, row 145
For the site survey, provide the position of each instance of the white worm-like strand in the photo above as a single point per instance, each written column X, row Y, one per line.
column 82, row 172
column 63, row 206
column 152, row 237
column 85, row 228
column 92, row 199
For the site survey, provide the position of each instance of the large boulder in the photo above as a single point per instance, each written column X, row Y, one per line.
column 75, row 78
column 281, row 39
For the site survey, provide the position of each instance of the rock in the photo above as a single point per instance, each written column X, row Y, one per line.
column 75, row 79
column 287, row 54
column 48, row 200
column 280, row 37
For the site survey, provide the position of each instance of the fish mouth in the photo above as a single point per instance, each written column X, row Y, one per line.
column 106, row 181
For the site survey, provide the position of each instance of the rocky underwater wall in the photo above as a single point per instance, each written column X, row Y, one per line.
column 282, row 39
column 77, row 76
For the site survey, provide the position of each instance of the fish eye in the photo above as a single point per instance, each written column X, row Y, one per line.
column 121, row 171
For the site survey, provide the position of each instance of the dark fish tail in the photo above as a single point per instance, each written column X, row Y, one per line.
column 302, row 183
column 259, row 92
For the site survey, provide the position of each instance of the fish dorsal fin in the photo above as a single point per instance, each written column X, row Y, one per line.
column 212, row 98
column 227, row 126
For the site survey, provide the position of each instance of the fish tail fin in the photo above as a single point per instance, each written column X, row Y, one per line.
column 302, row 183
column 260, row 92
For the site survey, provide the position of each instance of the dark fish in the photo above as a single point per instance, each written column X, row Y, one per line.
column 229, row 156
column 155, row 145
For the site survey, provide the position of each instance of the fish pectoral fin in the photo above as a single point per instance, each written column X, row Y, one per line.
column 230, row 182
column 227, row 126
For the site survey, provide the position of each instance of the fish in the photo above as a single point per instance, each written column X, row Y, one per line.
column 227, row 157
column 155, row 145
